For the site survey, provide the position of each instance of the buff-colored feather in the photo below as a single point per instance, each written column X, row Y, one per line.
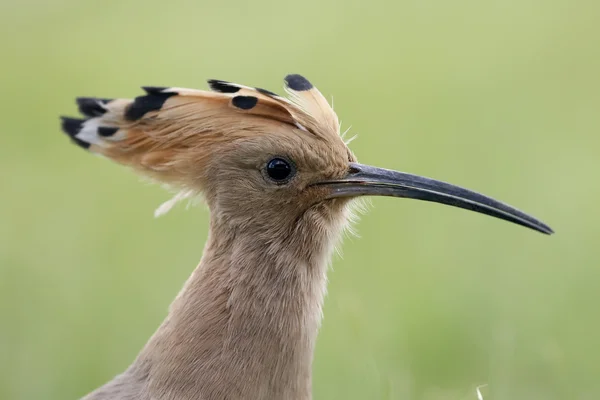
column 170, row 132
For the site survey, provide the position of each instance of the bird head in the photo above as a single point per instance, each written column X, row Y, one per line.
column 259, row 159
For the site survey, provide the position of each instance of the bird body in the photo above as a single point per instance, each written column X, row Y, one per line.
column 280, row 183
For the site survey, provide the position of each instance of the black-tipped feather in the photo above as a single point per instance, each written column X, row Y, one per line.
column 298, row 82
column 72, row 126
column 91, row 107
column 154, row 89
column 222, row 86
column 244, row 102
column 143, row 104
column 267, row 92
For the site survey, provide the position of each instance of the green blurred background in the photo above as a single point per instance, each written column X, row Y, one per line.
column 499, row 96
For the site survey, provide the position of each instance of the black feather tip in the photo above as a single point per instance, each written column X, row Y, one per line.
column 298, row 82
column 222, row 86
column 91, row 107
column 267, row 92
column 244, row 102
column 144, row 104
column 72, row 126
column 154, row 89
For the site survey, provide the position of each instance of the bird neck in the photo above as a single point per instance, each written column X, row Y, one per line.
column 246, row 321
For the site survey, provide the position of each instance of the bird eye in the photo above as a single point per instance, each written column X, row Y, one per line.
column 279, row 170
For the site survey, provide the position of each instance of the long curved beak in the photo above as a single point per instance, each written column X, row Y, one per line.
column 364, row 180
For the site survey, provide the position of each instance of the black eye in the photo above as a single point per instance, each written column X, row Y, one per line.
column 279, row 170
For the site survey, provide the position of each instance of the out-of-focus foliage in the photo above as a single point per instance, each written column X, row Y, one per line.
column 502, row 97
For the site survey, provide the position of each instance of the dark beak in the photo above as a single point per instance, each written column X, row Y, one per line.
column 364, row 180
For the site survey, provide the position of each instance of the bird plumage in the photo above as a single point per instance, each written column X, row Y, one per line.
column 279, row 182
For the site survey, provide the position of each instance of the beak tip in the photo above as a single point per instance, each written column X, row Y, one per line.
column 543, row 228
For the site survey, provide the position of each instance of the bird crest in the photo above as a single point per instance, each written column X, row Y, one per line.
column 170, row 133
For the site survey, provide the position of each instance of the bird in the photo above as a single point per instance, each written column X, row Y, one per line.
column 281, row 186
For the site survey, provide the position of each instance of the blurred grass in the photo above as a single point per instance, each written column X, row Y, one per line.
column 501, row 97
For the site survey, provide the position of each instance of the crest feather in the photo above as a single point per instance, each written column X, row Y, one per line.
column 170, row 133
column 313, row 104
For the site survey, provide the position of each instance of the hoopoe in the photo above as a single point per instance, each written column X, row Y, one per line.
column 280, row 183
